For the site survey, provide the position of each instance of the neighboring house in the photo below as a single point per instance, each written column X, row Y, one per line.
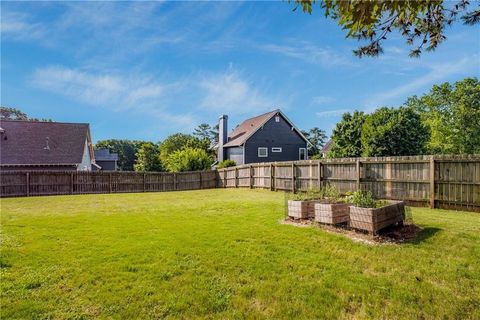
column 37, row 145
column 265, row 138
column 326, row 148
column 106, row 160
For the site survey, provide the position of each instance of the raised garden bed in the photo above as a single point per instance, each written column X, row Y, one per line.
column 301, row 209
column 375, row 219
column 331, row 213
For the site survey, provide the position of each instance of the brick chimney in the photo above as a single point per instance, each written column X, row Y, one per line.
column 222, row 137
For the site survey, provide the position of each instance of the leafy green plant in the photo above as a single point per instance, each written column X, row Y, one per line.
column 365, row 200
column 226, row 163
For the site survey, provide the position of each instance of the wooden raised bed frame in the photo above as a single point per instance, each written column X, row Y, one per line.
column 301, row 209
column 375, row 219
column 332, row 213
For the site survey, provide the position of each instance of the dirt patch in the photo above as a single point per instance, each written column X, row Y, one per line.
column 390, row 235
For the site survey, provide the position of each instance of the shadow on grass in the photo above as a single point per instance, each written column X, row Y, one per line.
column 425, row 234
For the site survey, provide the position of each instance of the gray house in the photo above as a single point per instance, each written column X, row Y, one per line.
column 265, row 138
column 106, row 160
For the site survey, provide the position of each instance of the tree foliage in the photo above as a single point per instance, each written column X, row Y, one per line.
column 147, row 158
column 179, row 141
column 7, row 113
column 189, row 159
column 205, row 132
column 226, row 163
column 126, row 150
column 421, row 22
column 346, row 137
column 452, row 112
column 394, row 132
column 317, row 138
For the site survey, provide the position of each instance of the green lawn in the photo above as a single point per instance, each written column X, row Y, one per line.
column 223, row 254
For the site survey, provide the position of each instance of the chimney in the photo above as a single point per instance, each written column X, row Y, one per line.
column 222, row 137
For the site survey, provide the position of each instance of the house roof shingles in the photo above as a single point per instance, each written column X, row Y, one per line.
column 105, row 155
column 25, row 142
column 241, row 133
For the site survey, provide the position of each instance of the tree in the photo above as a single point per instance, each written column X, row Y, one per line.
column 421, row 23
column 394, row 132
column 179, row 141
column 317, row 138
column 126, row 150
column 452, row 113
column 346, row 137
column 7, row 113
column 147, row 158
column 189, row 159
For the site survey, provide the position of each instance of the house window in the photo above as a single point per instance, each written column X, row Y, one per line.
column 276, row 149
column 262, row 152
column 277, row 118
column 302, row 153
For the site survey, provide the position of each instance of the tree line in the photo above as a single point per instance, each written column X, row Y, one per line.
column 444, row 121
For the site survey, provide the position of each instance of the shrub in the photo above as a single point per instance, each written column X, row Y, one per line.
column 189, row 159
column 226, row 163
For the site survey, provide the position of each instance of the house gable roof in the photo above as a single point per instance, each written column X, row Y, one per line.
column 47, row 143
column 248, row 127
column 105, row 155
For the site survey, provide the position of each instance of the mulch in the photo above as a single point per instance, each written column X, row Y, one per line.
column 391, row 235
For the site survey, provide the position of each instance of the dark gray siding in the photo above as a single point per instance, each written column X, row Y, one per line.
column 107, row 165
column 235, row 154
column 274, row 134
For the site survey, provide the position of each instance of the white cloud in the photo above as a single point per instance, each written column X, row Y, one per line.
column 322, row 99
column 113, row 91
column 18, row 26
column 228, row 92
column 309, row 53
column 436, row 73
column 331, row 113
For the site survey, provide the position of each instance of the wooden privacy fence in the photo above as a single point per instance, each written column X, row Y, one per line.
column 437, row 181
column 36, row 183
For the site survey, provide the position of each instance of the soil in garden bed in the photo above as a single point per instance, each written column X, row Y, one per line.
column 390, row 235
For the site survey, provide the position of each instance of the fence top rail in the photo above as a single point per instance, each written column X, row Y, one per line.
column 11, row 172
column 364, row 160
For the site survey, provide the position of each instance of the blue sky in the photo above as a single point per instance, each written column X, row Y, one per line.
column 144, row 70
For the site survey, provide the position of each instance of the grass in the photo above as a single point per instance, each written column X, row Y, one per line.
column 223, row 254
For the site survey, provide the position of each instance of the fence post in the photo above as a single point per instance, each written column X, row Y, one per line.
column 144, row 178
column 200, row 179
column 320, row 175
column 358, row 174
column 71, row 183
column 272, row 182
column 174, row 181
column 28, row 184
column 236, row 177
column 293, row 177
column 432, row 182
column 110, row 182
column 252, row 172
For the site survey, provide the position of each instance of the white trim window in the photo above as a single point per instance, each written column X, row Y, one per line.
column 262, row 152
column 276, row 149
column 302, row 153
column 277, row 118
